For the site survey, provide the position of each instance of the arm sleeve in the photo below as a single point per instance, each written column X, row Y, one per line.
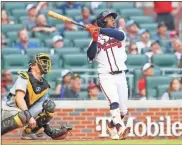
column 119, row 35
column 92, row 50
column 20, row 84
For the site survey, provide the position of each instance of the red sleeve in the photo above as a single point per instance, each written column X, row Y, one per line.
column 141, row 84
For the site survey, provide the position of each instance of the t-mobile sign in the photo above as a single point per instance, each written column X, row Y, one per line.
column 147, row 129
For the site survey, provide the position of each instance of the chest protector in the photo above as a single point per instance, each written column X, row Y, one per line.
column 35, row 89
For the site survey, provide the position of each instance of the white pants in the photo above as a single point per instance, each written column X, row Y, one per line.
column 115, row 89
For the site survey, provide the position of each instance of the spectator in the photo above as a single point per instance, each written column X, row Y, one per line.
column 121, row 25
column 93, row 92
column 132, row 49
column 164, row 10
column 176, row 45
column 3, row 94
column 85, row 17
column 68, row 27
column 174, row 87
column 41, row 25
column 162, row 32
column 24, row 41
column 3, row 41
column 147, row 72
column 57, row 42
column 66, row 79
column 32, row 13
column 145, row 41
column 154, row 49
column 7, row 78
column 5, row 19
column 43, row 5
column 132, row 31
column 73, row 92
column 70, row 5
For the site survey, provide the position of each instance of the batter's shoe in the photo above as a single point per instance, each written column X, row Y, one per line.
column 123, row 132
column 111, row 129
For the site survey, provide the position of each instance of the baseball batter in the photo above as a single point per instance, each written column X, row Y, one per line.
column 107, row 49
column 27, row 103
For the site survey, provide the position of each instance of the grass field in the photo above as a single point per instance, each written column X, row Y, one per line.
column 105, row 142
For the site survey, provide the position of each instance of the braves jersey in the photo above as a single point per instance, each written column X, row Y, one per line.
column 111, row 54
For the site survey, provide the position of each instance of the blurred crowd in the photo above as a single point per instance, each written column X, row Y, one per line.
column 139, row 41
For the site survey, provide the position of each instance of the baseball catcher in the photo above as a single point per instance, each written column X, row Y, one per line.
column 27, row 104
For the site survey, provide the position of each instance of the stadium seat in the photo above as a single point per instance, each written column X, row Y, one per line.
column 142, row 19
column 60, row 26
column 14, row 35
column 67, row 50
column 75, row 61
column 122, row 5
column 83, row 95
column 43, row 35
column 165, row 61
column 8, row 6
column 144, row 50
column 67, row 43
column 176, row 95
column 45, row 11
column 138, row 75
column 149, row 27
column 6, row 51
column 92, row 17
column 76, row 34
column 22, row 19
column 33, row 51
column 73, row 12
column 54, row 75
column 136, row 61
column 164, row 43
column 15, row 61
column 19, row 12
column 98, row 11
column 8, row 42
column 131, row 12
column 55, row 60
column 153, row 82
column 81, row 43
column 9, row 27
column 52, row 84
column 161, row 89
column 34, row 40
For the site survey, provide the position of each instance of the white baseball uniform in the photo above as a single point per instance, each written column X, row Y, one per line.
column 111, row 57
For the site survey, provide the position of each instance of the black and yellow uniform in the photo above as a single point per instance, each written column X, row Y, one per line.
column 35, row 88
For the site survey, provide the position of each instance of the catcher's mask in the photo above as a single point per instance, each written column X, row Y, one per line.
column 43, row 61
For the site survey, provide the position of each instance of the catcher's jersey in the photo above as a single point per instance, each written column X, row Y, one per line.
column 111, row 54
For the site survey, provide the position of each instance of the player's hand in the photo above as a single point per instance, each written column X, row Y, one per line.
column 93, row 30
column 32, row 123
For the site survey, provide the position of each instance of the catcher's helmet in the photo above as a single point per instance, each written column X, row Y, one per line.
column 44, row 62
column 101, row 22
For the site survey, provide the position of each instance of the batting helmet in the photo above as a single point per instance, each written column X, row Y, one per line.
column 44, row 62
column 101, row 22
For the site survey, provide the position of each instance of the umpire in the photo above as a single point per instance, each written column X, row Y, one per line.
column 27, row 103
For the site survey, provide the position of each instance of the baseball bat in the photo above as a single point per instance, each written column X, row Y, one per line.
column 63, row 18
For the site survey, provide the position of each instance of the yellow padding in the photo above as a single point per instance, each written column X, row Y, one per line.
column 18, row 121
column 50, row 114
